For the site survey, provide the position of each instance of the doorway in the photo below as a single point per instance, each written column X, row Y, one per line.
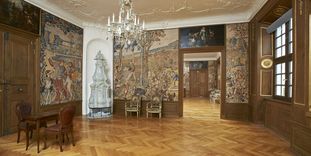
column 17, row 76
column 202, row 84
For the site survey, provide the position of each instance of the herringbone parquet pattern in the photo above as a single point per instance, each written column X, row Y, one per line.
column 200, row 132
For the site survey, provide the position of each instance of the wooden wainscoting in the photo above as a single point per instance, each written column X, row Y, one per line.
column 278, row 117
column 169, row 109
column 308, row 114
column 57, row 107
column 299, row 144
column 299, row 113
column 236, row 111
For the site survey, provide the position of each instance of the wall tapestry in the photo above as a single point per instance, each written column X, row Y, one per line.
column 61, row 60
column 212, row 75
column 20, row 14
column 237, row 63
column 147, row 67
column 186, row 78
column 202, row 36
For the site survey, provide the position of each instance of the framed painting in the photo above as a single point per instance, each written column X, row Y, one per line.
column 20, row 14
column 194, row 65
column 202, row 36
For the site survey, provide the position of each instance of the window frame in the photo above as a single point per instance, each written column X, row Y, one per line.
column 287, row 59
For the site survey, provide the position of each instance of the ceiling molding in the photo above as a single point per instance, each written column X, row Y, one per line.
column 214, row 20
column 94, row 25
column 81, row 13
column 53, row 9
column 259, row 5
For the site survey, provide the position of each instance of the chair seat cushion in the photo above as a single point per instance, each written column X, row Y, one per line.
column 131, row 109
column 153, row 110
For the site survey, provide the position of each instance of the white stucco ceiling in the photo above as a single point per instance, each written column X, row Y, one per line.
column 157, row 13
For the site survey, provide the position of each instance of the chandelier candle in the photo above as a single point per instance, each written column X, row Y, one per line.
column 128, row 26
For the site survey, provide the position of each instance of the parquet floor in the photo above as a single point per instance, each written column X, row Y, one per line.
column 200, row 132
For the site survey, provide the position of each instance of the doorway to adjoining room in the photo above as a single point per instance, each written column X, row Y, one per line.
column 202, row 84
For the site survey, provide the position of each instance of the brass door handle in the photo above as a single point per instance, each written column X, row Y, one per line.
column 20, row 89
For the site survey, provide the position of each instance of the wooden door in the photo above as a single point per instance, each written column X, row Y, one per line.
column 1, row 80
column 198, row 83
column 18, row 76
column 203, row 83
column 193, row 83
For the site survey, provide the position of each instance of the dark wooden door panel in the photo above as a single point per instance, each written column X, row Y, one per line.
column 198, row 83
column 1, row 110
column 194, row 88
column 1, row 57
column 20, row 60
column 1, row 80
column 203, row 82
column 19, row 77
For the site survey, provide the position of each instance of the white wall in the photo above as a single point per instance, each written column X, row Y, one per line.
column 94, row 39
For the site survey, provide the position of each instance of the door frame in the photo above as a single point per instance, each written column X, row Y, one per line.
column 222, row 50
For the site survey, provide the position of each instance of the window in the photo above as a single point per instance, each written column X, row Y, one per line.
column 283, row 61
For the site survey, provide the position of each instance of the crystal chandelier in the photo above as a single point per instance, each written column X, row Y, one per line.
column 128, row 26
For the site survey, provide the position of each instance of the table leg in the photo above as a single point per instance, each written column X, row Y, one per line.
column 38, row 135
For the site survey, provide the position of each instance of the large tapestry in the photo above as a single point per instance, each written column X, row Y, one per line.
column 147, row 67
column 61, row 60
column 20, row 14
column 237, row 63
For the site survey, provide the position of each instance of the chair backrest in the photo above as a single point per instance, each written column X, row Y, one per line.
column 66, row 115
column 157, row 101
column 22, row 110
column 135, row 100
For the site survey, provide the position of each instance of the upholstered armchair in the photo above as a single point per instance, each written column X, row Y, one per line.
column 133, row 105
column 154, row 106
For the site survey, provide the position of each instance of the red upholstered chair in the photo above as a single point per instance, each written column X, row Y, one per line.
column 64, row 127
column 23, row 110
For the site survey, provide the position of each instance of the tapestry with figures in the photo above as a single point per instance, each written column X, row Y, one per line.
column 147, row 67
column 61, row 60
column 237, row 63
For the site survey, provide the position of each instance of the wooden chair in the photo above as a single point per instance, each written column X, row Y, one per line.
column 65, row 126
column 154, row 106
column 133, row 106
column 23, row 110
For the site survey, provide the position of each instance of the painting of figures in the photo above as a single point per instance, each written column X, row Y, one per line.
column 194, row 65
column 237, row 64
column 203, row 36
column 61, row 61
column 20, row 14
column 148, row 67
